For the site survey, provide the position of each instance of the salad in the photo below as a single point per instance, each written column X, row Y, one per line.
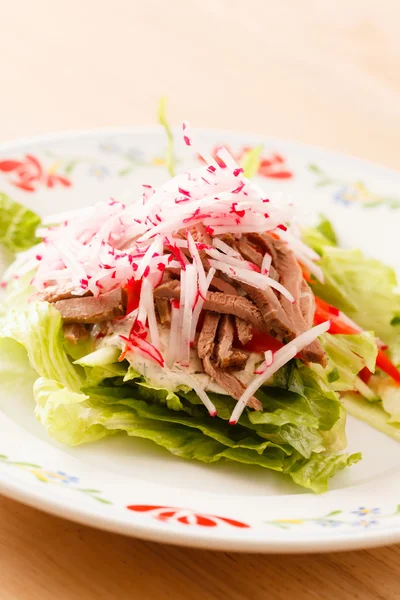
column 203, row 318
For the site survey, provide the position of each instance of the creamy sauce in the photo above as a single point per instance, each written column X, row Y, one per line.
column 172, row 379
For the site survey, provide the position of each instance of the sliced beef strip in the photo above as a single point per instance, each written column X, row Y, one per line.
column 93, row 310
column 229, row 382
column 75, row 332
column 163, row 310
column 228, row 238
column 275, row 319
column 200, row 234
column 170, row 288
column 53, row 293
column 226, row 356
column 291, row 276
column 205, row 342
column 237, row 306
column 225, row 336
column 223, row 286
column 218, row 302
column 244, row 330
column 237, row 359
column 249, row 252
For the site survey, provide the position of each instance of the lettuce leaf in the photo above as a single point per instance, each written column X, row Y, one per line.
column 363, row 288
column 316, row 472
column 17, row 225
column 372, row 413
column 39, row 329
column 348, row 355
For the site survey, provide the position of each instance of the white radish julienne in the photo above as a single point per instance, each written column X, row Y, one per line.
column 102, row 247
column 251, row 277
column 280, row 358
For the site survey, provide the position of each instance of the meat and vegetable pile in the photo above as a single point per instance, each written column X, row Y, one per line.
column 201, row 317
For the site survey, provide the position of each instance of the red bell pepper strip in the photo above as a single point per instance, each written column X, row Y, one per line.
column 260, row 342
column 133, row 288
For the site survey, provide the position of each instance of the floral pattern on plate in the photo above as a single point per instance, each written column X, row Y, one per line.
column 356, row 192
column 60, row 478
column 367, row 517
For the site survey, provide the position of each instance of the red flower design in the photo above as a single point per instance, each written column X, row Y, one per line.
column 273, row 166
column 28, row 174
column 185, row 516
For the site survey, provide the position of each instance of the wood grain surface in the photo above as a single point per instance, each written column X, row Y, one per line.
column 319, row 71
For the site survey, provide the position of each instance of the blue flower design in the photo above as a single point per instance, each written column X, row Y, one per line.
column 354, row 193
column 99, row 171
column 362, row 511
column 365, row 523
column 65, row 477
column 328, row 522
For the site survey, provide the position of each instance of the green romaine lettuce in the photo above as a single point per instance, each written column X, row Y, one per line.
column 316, row 472
column 371, row 413
column 17, row 225
column 363, row 288
column 39, row 329
column 348, row 355
column 77, row 418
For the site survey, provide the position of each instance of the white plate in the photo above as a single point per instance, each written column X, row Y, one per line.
column 134, row 487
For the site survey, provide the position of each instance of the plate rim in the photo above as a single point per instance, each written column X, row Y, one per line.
column 49, row 502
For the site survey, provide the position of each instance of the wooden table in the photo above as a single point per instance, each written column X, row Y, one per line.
column 322, row 72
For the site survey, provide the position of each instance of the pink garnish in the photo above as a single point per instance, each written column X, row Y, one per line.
column 239, row 188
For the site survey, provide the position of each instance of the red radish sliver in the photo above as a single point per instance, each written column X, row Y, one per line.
column 220, row 245
column 266, row 264
column 251, row 277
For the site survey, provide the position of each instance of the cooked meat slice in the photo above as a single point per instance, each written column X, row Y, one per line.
column 53, row 293
column 168, row 289
column 92, row 310
column 229, row 382
column 163, row 310
column 259, row 243
column 276, row 322
column 228, row 238
column 75, row 332
column 225, row 336
column 206, row 340
column 237, row 306
column 218, row 302
column 307, row 303
column 291, row 276
column 244, row 330
column 238, row 359
column 223, row 286
column 264, row 242
column 249, row 252
column 200, row 234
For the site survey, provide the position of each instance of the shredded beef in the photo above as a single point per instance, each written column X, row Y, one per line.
column 163, row 310
column 92, row 310
column 205, row 342
column 226, row 356
column 244, row 330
